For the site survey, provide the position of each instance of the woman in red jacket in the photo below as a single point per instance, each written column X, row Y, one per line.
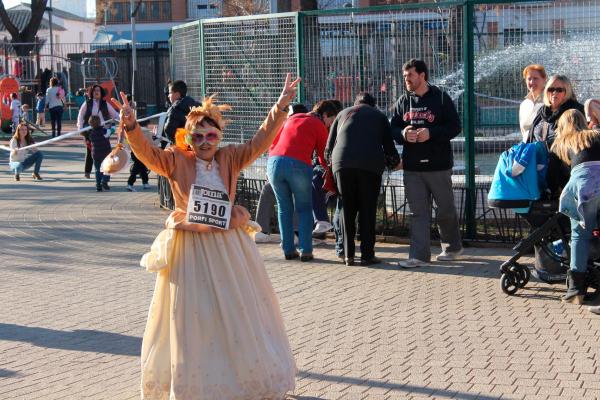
column 290, row 172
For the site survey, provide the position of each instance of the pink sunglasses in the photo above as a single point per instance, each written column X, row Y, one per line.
column 209, row 137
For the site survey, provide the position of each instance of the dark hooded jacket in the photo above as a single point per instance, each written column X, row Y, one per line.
column 435, row 111
column 543, row 128
column 176, row 115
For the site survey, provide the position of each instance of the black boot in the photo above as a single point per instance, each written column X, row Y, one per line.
column 593, row 281
column 577, row 282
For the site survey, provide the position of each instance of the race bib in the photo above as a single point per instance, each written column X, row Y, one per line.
column 209, row 207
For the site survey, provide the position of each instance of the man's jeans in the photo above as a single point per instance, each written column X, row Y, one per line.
column 419, row 188
column 34, row 159
column 291, row 181
column 318, row 195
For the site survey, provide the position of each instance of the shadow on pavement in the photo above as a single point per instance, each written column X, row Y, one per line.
column 397, row 387
column 77, row 340
column 6, row 373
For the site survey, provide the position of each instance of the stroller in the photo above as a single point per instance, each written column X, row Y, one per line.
column 521, row 187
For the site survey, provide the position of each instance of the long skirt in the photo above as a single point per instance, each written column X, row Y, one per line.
column 214, row 328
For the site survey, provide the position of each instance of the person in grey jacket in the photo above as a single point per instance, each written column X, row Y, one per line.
column 359, row 147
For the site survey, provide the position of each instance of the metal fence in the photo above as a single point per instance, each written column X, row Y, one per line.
column 476, row 51
column 80, row 64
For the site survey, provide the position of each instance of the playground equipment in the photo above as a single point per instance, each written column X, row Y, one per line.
column 8, row 85
column 102, row 71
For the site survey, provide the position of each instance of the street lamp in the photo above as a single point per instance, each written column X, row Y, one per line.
column 134, row 9
column 49, row 9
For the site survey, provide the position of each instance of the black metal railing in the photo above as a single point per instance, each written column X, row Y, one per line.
column 393, row 214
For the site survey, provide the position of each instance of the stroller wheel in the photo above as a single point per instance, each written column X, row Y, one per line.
column 508, row 283
column 525, row 275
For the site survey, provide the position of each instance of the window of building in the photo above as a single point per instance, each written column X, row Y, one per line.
column 147, row 12
column 513, row 37
column 332, row 4
column 492, row 31
column 198, row 9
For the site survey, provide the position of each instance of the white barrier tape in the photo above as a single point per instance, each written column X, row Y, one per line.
column 161, row 122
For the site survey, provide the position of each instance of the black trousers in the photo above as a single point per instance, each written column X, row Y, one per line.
column 359, row 190
column 137, row 168
column 89, row 162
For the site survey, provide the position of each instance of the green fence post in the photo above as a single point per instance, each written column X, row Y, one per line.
column 300, row 55
column 469, row 118
column 202, row 60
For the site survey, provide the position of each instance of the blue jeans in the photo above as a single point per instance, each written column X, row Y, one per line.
column 318, row 195
column 291, row 182
column 337, row 228
column 34, row 159
column 580, row 236
column 100, row 177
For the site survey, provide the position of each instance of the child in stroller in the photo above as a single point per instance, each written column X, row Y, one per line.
column 519, row 183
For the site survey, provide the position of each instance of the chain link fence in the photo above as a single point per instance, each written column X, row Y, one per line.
column 341, row 52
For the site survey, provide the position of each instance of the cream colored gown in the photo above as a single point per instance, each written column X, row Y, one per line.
column 214, row 329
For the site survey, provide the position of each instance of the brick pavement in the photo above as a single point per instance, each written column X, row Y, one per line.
column 74, row 302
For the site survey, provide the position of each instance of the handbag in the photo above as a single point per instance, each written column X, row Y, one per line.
column 329, row 184
column 118, row 157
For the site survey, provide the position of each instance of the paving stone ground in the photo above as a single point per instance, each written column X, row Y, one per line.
column 73, row 304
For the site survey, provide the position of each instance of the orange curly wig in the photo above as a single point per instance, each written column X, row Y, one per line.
column 207, row 110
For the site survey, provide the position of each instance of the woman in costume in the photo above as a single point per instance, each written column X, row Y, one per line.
column 214, row 329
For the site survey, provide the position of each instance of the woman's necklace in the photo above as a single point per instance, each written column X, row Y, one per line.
column 209, row 164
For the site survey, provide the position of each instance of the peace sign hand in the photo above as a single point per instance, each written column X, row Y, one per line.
column 127, row 115
column 289, row 92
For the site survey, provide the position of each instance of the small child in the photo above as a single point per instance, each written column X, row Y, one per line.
column 98, row 138
column 15, row 107
column 40, row 108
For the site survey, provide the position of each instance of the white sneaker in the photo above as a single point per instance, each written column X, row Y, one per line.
column 412, row 263
column 260, row 237
column 449, row 255
column 146, row 186
column 322, row 227
column 130, row 188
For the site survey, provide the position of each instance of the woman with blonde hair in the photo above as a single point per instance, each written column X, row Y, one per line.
column 214, row 330
column 579, row 147
column 558, row 98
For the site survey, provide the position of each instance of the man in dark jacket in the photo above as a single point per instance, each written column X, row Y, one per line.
column 359, row 147
column 424, row 122
column 181, row 105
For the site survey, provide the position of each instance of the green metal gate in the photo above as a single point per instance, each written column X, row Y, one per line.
column 476, row 51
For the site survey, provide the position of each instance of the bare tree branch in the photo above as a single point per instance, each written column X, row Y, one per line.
column 10, row 27
column 38, row 8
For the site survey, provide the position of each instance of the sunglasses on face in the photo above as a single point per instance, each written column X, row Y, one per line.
column 201, row 137
column 556, row 89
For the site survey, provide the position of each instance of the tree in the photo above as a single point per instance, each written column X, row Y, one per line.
column 28, row 33
column 245, row 7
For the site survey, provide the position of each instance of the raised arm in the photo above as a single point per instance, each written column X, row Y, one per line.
column 246, row 153
column 158, row 160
